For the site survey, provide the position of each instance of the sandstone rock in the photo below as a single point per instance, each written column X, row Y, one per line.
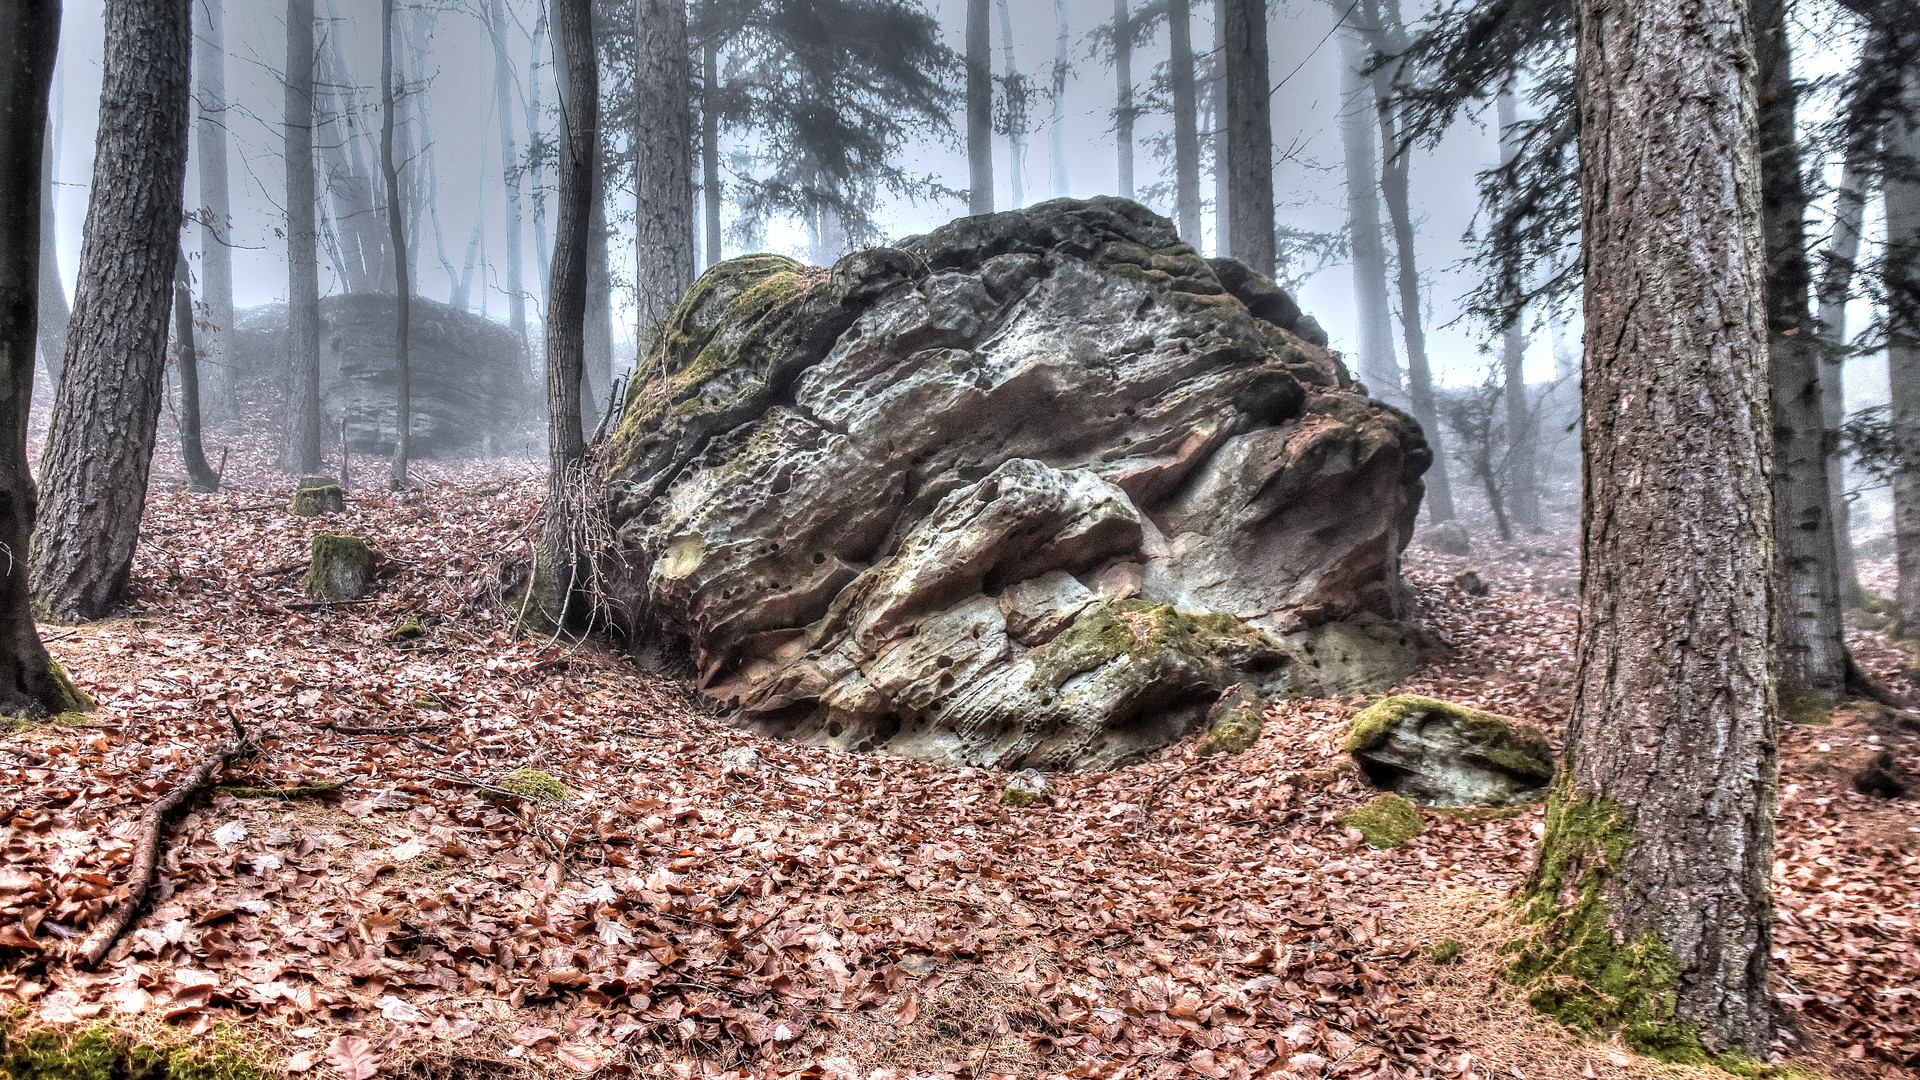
column 1026, row 787
column 1029, row 491
column 1441, row 754
column 740, row 759
column 342, row 568
column 316, row 495
column 1233, row 724
column 1471, row 583
column 1447, row 538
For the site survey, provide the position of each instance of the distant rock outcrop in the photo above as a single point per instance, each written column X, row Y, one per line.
column 472, row 392
column 1031, row 490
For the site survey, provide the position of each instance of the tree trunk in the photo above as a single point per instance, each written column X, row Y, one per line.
column 1186, row 122
column 200, row 475
column 509, row 171
column 397, row 238
column 53, row 313
column 27, row 684
column 1521, row 468
column 1812, row 665
column 462, row 296
column 1249, row 137
column 567, row 295
column 216, row 241
column 93, row 473
column 1394, row 187
column 710, row 153
column 1379, row 367
column 979, row 110
column 300, row 448
column 1017, row 110
column 1659, row 840
column 1836, row 285
column 1900, row 195
column 1123, row 94
column 1217, row 111
column 663, row 138
column 536, row 168
column 597, row 372
column 1058, row 182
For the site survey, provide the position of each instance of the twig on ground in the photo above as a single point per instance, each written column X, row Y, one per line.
column 27, row 756
column 397, row 729
column 321, row 605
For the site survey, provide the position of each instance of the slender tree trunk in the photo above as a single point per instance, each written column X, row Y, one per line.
column 1812, row 665
column 1017, row 110
column 1521, row 468
column 979, row 110
column 710, row 153
column 53, row 311
column 510, row 172
column 1186, row 121
column 1249, row 137
column 300, row 450
column 1123, row 94
column 536, row 165
column 27, row 52
column 1379, row 367
column 1058, row 182
column 93, row 473
column 567, row 294
column 462, row 297
column 1836, row 285
column 216, row 241
column 1900, row 195
column 1659, row 839
column 597, row 371
column 397, row 237
column 1217, row 110
column 1394, row 182
column 663, row 138
column 200, row 475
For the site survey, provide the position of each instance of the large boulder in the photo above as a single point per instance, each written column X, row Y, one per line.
column 472, row 392
column 1442, row 754
column 1029, row 491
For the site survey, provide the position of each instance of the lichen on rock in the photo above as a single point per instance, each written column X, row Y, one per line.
column 1442, row 754
column 1029, row 491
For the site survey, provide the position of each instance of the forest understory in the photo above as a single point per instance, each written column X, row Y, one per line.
column 804, row 912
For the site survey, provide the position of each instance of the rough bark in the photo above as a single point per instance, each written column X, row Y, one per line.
column 1123, row 112
column 300, row 444
column 1521, row 472
column 1186, row 122
column 200, row 475
column 1379, row 367
column 510, row 170
column 662, row 137
column 1394, row 181
column 1659, row 837
column 397, row 237
column 1016, row 111
column 1059, row 183
column 1813, row 652
column 27, row 51
column 567, row 294
column 1249, row 137
column 93, row 473
column 1900, row 195
column 710, row 190
column 979, row 110
column 1836, row 285
column 216, row 251
column 53, row 311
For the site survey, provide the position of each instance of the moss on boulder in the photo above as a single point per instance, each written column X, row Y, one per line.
column 1386, row 822
column 318, row 495
column 1442, row 754
column 411, row 630
column 1027, row 787
column 342, row 568
column 1233, row 725
column 530, row 784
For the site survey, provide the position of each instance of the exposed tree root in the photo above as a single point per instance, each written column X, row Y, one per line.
column 1861, row 684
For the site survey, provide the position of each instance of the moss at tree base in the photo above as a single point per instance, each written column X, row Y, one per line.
column 65, row 696
column 1386, row 822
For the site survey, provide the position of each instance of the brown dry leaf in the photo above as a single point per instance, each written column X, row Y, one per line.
column 353, row 1057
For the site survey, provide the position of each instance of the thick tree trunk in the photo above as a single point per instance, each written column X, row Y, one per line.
column 1394, row 183
column 1059, row 183
column 1217, row 113
column 1186, row 122
column 979, row 110
column 567, row 296
column 1017, row 111
column 1812, row 665
column 216, row 241
column 53, row 313
column 1659, row 842
column 1523, row 493
column 397, row 238
column 1900, row 194
column 27, row 51
column 1249, row 137
column 300, row 446
column 710, row 152
column 1379, row 367
column 509, row 171
column 1123, row 94
column 1836, row 285
column 200, row 475
column 93, row 473
column 663, row 138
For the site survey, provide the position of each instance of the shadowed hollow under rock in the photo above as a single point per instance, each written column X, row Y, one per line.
column 1029, row 491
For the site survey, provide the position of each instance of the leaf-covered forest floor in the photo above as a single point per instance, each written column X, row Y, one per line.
column 815, row 913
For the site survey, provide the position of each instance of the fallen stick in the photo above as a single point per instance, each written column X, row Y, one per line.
column 322, row 605
column 145, row 868
column 398, row 729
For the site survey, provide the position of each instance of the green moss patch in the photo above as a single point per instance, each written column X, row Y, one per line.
column 530, row 784
column 320, row 499
column 411, row 630
column 99, row 1053
column 1138, row 629
column 65, row 696
column 1518, row 748
column 1386, row 822
column 1447, row 951
column 1233, row 725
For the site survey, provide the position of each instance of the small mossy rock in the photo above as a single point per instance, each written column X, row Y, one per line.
column 1447, row 951
column 1027, row 787
column 1447, row 538
column 1233, row 724
column 530, row 784
column 426, row 702
column 324, row 497
column 1471, row 583
column 1386, row 822
column 411, row 630
column 342, row 568
column 740, row 759
column 1442, row 754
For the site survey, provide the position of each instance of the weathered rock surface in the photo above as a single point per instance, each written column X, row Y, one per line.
column 342, row 568
column 1029, row 491
column 1442, row 754
column 471, row 391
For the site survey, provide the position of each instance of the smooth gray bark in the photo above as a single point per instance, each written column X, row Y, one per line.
column 1250, row 236
column 200, row 475
column 52, row 311
column 1186, row 121
column 1379, row 366
column 1836, row 285
column 1217, row 113
column 1522, row 471
column 662, row 137
column 216, row 240
column 710, row 190
column 1900, row 197
column 300, row 435
column 536, row 163
column 462, row 296
column 1123, row 111
column 1059, row 182
column 979, row 110
column 510, row 172
column 1016, row 111
column 397, row 238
